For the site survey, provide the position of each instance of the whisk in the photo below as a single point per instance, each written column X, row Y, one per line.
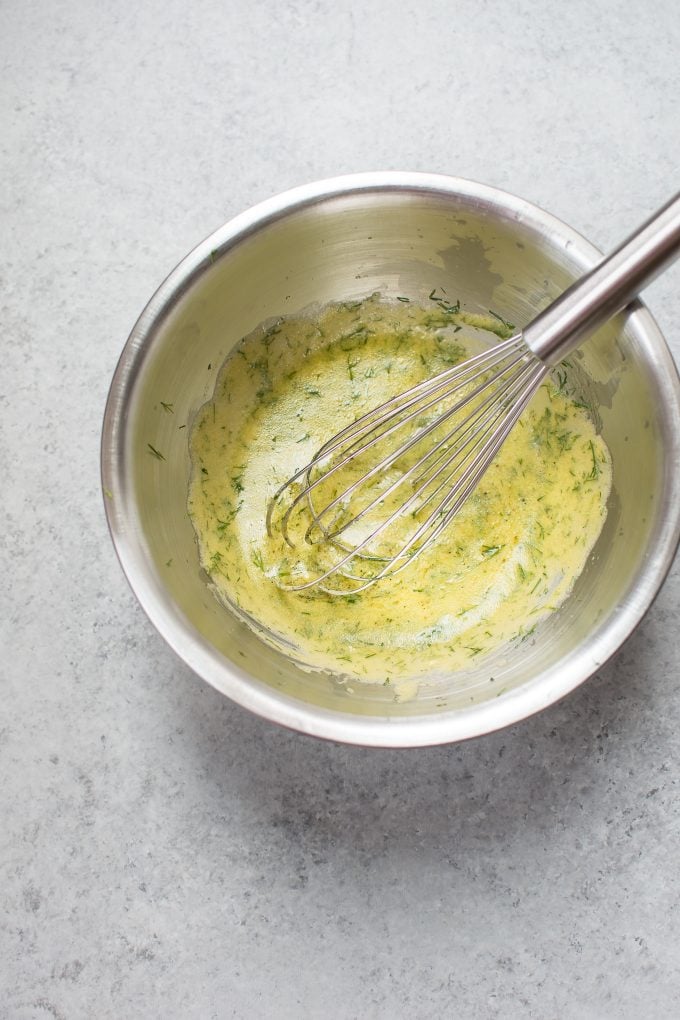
column 382, row 489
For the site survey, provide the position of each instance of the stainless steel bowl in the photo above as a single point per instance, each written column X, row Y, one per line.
column 345, row 238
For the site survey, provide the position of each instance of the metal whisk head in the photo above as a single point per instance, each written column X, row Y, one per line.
column 378, row 493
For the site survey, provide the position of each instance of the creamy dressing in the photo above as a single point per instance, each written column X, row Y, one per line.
column 509, row 558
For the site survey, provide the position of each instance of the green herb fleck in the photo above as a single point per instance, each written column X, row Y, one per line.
column 167, row 407
column 491, row 550
column 444, row 304
column 222, row 525
column 595, row 470
column 155, row 453
column 565, row 439
column 215, row 562
column 506, row 323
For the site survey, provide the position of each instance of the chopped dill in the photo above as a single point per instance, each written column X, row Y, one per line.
column 595, row 470
column 351, row 365
column 223, row 523
column 508, row 325
column 215, row 562
column 491, row 550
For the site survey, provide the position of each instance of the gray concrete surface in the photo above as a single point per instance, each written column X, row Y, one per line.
column 162, row 852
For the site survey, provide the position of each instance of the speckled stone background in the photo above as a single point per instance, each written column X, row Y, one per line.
column 162, row 852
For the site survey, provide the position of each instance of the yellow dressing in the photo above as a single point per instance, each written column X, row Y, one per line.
column 509, row 558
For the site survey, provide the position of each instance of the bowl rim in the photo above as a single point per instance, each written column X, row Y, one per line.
column 235, row 681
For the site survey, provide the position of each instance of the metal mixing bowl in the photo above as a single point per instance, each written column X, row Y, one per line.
column 398, row 233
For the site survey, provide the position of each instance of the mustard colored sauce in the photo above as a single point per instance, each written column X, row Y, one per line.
column 509, row 558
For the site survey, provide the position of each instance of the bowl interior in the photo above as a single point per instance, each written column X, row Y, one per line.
column 492, row 252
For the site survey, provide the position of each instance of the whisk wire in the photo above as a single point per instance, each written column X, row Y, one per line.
column 472, row 422
column 455, row 499
column 463, row 374
column 472, row 367
column 487, row 389
column 449, row 506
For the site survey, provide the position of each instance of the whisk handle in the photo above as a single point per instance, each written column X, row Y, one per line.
column 607, row 288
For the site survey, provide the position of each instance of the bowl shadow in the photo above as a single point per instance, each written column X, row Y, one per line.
column 536, row 776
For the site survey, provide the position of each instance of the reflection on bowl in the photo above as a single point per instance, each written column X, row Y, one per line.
column 344, row 239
